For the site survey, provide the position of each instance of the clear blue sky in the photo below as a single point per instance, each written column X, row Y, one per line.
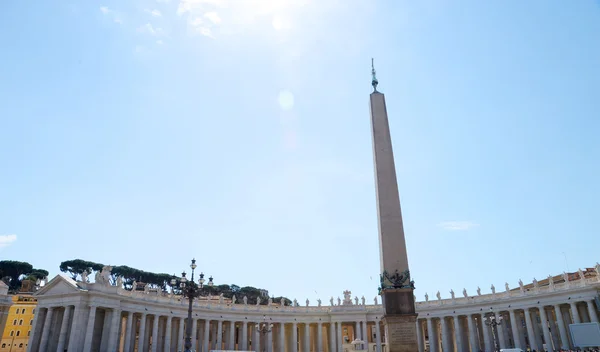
column 145, row 133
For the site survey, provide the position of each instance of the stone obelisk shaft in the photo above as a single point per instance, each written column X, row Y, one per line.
column 392, row 245
column 396, row 287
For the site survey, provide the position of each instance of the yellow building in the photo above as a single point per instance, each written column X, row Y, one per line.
column 18, row 323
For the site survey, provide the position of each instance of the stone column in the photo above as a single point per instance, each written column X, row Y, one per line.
column 430, row 335
column 62, row 337
column 575, row 313
column 564, row 340
column 592, row 311
column 319, row 337
column 472, row 333
column 515, row 328
column 89, row 331
column 294, row 337
column 458, row 334
column 256, row 338
column 194, row 337
column 206, row 340
column 530, row 331
column 167, row 342
column 231, row 342
column 115, row 325
column 544, row 325
column 331, row 338
column 281, row 337
column 76, row 332
column 420, row 343
column 377, row 336
column 180, row 339
column 128, row 332
column 445, row 336
column 244, row 341
column 142, row 333
column 306, row 337
column 219, row 334
column 46, row 331
column 340, row 338
column 155, row 333
column 487, row 338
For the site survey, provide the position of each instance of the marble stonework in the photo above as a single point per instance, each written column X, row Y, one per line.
column 101, row 317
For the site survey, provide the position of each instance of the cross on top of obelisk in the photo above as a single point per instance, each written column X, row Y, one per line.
column 374, row 81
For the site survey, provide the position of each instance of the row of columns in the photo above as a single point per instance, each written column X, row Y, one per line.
column 533, row 328
column 99, row 329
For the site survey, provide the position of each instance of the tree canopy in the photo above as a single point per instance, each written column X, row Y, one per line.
column 162, row 281
column 13, row 273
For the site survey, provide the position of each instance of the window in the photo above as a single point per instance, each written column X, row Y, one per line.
column 18, row 333
column 23, row 310
column 21, row 322
column 21, row 345
column 15, row 322
column 33, row 311
column 3, row 345
column 31, row 322
column 17, row 311
column 28, row 332
column 12, row 333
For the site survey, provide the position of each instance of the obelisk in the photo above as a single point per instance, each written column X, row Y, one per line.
column 396, row 287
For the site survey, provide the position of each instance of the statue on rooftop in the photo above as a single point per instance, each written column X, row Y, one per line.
column 270, row 301
column 363, row 300
column 506, row 287
column 339, row 301
column 356, row 300
column 426, row 297
column 551, row 282
column 439, row 296
column 521, row 287
column 84, row 276
column 493, row 289
column 318, row 302
column 233, row 299
column 307, row 302
column 258, row 300
column 221, row 298
column 375, row 300
column 331, row 301
column 245, row 300
column 478, row 291
column 465, row 293
column 452, row 293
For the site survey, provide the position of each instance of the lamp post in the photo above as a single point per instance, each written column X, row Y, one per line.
column 265, row 329
column 493, row 322
column 190, row 290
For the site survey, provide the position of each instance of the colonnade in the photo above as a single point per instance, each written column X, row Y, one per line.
column 537, row 327
column 94, row 328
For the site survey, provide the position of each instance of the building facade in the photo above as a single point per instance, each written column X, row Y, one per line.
column 81, row 316
column 19, row 322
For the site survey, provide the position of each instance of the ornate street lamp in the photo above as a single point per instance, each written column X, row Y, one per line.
column 493, row 323
column 191, row 290
column 265, row 329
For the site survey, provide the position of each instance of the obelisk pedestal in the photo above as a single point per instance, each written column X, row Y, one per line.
column 396, row 287
column 400, row 320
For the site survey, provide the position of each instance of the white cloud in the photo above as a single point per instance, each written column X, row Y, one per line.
column 105, row 10
column 159, row 42
column 458, row 225
column 213, row 17
column 7, row 240
column 149, row 29
column 234, row 16
column 154, row 13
